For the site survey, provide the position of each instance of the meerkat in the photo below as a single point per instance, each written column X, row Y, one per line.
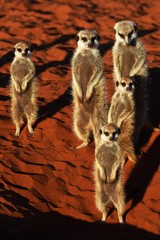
column 88, row 85
column 129, row 55
column 23, row 87
column 109, row 161
column 123, row 113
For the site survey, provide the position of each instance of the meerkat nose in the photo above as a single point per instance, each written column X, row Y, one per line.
column 90, row 44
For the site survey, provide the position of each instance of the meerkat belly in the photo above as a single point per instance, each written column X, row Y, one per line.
column 86, row 70
column 24, row 98
column 126, row 61
column 21, row 71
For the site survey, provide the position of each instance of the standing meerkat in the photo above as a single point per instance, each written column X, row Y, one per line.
column 23, row 88
column 129, row 55
column 109, row 162
column 88, row 85
column 123, row 114
column 129, row 60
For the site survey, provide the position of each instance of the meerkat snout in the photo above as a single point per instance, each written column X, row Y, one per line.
column 88, row 39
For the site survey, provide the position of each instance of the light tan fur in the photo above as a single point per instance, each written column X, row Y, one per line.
column 108, row 171
column 123, row 113
column 88, row 86
column 23, row 87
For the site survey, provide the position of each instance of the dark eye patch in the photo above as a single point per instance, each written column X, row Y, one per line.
column 130, row 34
column 19, row 50
column 121, row 35
column 93, row 38
column 117, row 84
column 106, row 133
column 100, row 131
column 26, row 50
column 114, row 134
column 84, row 39
column 123, row 84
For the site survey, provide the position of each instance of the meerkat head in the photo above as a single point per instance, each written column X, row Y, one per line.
column 126, row 32
column 22, row 49
column 87, row 39
column 109, row 133
column 125, row 84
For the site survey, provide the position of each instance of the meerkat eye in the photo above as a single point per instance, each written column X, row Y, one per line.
column 19, row 50
column 114, row 134
column 106, row 133
column 92, row 39
column 84, row 39
column 123, row 84
column 130, row 34
column 26, row 50
column 121, row 35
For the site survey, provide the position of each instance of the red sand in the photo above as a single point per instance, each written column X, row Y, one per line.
column 45, row 188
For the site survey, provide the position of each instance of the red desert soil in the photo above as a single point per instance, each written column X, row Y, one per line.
column 47, row 189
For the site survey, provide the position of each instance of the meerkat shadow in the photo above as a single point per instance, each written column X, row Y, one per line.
column 51, row 108
column 142, row 174
column 153, row 90
column 40, row 226
column 153, row 106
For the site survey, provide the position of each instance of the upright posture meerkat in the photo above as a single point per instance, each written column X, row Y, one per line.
column 129, row 60
column 129, row 55
column 109, row 161
column 88, row 85
column 23, row 89
column 123, row 113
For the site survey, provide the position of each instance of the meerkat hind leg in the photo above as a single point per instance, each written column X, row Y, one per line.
column 30, row 129
column 84, row 144
column 120, row 217
column 132, row 157
column 18, row 127
column 29, row 124
column 104, row 216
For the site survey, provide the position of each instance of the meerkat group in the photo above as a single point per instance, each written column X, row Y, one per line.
column 115, row 129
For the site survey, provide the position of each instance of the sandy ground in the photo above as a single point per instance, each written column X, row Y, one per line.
column 45, row 187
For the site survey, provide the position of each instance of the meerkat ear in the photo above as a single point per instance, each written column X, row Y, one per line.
column 119, row 130
column 98, row 37
column 135, row 27
column 114, row 30
column 77, row 38
column 117, row 83
column 31, row 49
column 100, row 131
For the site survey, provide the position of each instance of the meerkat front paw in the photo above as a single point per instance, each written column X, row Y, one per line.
column 17, row 87
column 88, row 95
column 103, row 176
column 24, row 85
